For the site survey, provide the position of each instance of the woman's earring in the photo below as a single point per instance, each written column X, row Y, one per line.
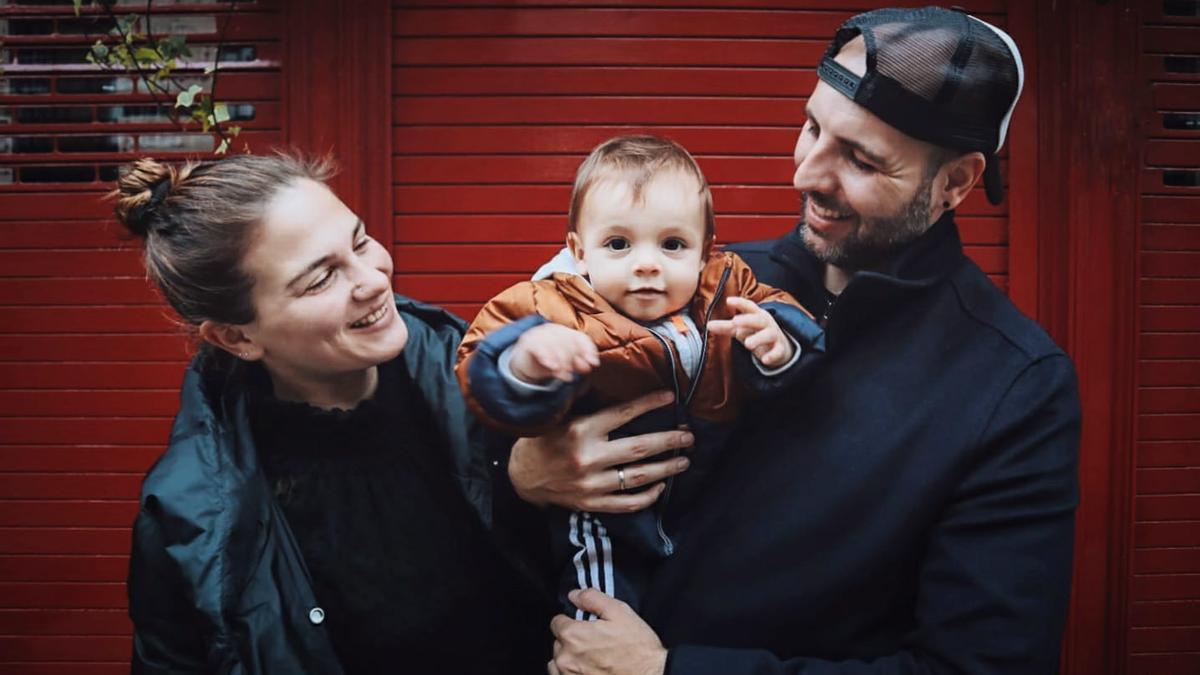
column 244, row 355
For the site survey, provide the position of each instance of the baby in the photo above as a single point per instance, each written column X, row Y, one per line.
column 640, row 300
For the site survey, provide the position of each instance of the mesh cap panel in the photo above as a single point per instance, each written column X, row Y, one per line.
column 938, row 75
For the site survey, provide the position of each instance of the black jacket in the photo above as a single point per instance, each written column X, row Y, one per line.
column 909, row 509
column 217, row 583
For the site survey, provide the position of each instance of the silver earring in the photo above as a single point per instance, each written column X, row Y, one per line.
column 244, row 355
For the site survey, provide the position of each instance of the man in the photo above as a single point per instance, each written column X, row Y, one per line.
column 909, row 510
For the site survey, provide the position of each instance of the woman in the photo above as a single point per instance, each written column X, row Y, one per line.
column 325, row 502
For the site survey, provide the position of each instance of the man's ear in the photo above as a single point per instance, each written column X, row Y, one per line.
column 232, row 339
column 959, row 176
column 575, row 244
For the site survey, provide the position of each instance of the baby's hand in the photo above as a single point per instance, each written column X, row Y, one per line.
column 551, row 350
column 758, row 332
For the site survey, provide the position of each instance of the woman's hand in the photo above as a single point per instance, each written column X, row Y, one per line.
column 619, row 642
column 576, row 467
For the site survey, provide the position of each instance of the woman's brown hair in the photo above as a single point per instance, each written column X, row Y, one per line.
column 197, row 220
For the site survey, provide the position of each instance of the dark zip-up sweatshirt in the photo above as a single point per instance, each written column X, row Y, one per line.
column 908, row 509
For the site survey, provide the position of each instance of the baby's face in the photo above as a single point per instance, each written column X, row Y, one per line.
column 643, row 257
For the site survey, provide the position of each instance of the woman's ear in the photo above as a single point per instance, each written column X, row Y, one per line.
column 960, row 175
column 575, row 244
column 232, row 339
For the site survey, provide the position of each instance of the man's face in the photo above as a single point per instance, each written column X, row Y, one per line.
column 865, row 185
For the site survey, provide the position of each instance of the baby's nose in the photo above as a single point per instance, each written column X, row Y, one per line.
column 646, row 265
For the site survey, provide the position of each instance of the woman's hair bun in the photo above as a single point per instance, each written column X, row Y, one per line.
column 141, row 189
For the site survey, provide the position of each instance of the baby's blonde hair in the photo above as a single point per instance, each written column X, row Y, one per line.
column 637, row 159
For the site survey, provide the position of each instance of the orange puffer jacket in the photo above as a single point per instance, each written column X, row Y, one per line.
column 633, row 360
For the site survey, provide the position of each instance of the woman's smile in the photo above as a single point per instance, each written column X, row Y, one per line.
column 376, row 318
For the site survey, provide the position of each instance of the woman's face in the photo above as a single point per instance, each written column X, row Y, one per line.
column 322, row 291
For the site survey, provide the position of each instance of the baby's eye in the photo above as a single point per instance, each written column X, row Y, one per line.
column 617, row 244
column 361, row 244
column 674, row 244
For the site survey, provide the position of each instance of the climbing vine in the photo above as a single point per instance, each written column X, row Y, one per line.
column 133, row 47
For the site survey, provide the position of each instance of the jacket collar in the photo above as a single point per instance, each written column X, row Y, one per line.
column 923, row 262
column 871, row 294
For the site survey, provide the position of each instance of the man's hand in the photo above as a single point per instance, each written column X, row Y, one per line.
column 552, row 351
column 619, row 642
column 758, row 332
column 575, row 467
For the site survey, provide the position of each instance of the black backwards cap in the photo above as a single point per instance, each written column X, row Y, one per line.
column 938, row 75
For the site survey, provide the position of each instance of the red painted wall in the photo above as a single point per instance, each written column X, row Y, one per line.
column 459, row 130
column 493, row 109
column 1163, row 621
column 89, row 360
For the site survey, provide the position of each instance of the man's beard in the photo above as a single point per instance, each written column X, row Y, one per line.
column 875, row 240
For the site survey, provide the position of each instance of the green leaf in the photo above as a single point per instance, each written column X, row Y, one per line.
column 146, row 55
column 221, row 113
column 126, row 23
column 100, row 50
column 223, row 147
column 78, row 5
column 164, row 70
column 233, row 131
column 186, row 98
column 203, row 115
column 172, row 46
column 123, row 54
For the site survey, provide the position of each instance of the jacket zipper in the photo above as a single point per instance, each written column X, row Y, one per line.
column 681, row 409
column 704, row 340
column 830, row 300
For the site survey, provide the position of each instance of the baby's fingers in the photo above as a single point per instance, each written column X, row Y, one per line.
column 546, row 357
column 743, row 306
column 721, row 327
column 761, row 342
column 580, row 354
column 550, row 365
column 778, row 353
column 582, row 365
column 748, row 324
column 586, row 350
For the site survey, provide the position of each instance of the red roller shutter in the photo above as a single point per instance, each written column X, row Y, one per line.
column 1163, row 616
column 89, row 361
column 495, row 106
